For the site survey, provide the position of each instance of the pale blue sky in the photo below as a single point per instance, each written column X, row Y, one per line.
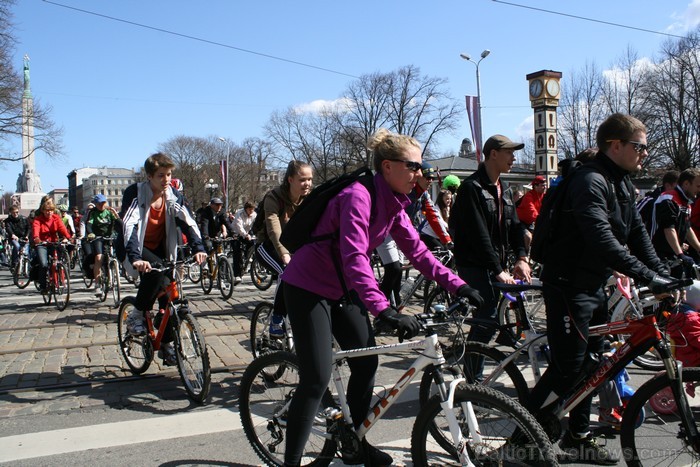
column 119, row 90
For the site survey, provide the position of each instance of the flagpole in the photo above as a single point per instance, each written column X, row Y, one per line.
column 228, row 150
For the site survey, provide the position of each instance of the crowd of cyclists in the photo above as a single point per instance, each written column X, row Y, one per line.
column 328, row 290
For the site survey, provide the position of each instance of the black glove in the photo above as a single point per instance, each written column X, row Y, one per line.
column 472, row 295
column 450, row 246
column 660, row 284
column 685, row 259
column 406, row 325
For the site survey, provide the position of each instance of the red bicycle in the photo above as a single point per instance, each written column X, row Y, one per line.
column 57, row 276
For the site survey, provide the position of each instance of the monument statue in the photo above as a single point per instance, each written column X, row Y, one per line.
column 28, row 181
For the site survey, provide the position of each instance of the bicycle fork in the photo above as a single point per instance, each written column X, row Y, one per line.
column 674, row 370
column 447, row 394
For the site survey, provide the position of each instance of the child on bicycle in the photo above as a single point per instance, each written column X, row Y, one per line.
column 319, row 309
column 152, row 212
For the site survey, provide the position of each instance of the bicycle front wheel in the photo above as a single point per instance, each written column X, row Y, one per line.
column 193, row 359
column 260, row 340
column 20, row 275
column 114, row 282
column 662, row 439
column 264, row 403
column 193, row 272
column 206, row 280
column 61, row 287
column 136, row 350
column 510, row 435
column 224, row 278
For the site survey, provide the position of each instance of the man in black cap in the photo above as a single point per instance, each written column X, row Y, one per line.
column 485, row 227
column 213, row 223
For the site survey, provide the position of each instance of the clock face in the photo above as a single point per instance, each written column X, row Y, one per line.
column 553, row 88
column 535, row 88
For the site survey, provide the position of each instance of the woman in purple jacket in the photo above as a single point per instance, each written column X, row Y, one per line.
column 314, row 295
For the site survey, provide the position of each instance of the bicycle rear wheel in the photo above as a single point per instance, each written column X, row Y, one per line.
column 114, row 282
column 499, row 419
column 662, row 439
column 61, row 287
column 224, row 278
column 263, row 408
column 136, row 350
column 261, row 277
column 192, row 358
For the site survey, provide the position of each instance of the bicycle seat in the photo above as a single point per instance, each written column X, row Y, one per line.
column 515, row 288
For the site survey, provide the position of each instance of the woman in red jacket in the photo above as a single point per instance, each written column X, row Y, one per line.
column 46, row 227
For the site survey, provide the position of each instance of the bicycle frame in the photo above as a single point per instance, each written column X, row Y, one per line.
column 156, row 335
column 431, row 353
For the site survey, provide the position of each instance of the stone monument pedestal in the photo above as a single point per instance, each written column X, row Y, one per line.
column 27, row 202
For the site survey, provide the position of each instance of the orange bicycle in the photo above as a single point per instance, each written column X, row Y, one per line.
column 57, row 276
column 175, row 319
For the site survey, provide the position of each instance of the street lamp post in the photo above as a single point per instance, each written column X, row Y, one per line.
column 468, row 58
column 211, row 186
column 228, row 150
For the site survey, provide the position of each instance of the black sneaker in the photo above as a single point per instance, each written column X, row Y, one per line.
column 586, row 450
column 369, row 456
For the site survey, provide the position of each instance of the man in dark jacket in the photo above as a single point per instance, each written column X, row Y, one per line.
column 213, row 222
column 485, row 228
column 17, row 227
column 598, row 218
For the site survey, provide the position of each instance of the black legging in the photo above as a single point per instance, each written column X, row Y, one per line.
column 391, row 282
column 152, row 283
column 315, row 321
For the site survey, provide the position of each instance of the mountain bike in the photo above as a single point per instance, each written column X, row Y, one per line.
column 462, row 424
column 666, row 404
column 57, row 278
column 21, row 269
column 190, row 348
column 110, row 276
column 80, row 252
column 217, row 266
column 412, row 285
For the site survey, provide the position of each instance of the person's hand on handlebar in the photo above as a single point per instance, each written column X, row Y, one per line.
column 200, row 257
column 472, row 295
column 406, row 325
column 142, row 266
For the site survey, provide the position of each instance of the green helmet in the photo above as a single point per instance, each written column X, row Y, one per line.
column 451, row 182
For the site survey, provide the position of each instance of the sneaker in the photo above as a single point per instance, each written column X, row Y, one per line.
column 135, row 323
column 167, row 353
column 276, row 326
column 368, row 455
column 610, row 417
column 586, row 450
column 237, row 280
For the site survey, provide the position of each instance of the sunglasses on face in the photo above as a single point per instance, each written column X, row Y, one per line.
column 412, row 166
column 639, row 148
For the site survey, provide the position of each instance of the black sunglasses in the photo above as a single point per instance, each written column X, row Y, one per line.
column 638, row 147
column 410, row 165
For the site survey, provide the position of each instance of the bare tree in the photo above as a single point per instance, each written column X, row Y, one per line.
column 47, row 136
column 581, row 110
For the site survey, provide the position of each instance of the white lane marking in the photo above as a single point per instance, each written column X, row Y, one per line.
column 50, row 443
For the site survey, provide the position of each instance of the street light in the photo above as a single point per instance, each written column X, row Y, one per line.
column 228, row 150
column 468, row 58
column 211, row 186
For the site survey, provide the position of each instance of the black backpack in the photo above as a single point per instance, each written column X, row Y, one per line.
column 547, row 223
column 297, row 232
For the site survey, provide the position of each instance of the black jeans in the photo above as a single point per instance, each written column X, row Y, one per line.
column 315, row 321
column 481, row 280
column 570, row 312
column 152, row 283
column 240, row 247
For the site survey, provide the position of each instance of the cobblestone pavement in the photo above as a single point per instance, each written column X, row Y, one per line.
column 44, row 349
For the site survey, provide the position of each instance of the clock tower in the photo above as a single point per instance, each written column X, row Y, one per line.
column 544, row 93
